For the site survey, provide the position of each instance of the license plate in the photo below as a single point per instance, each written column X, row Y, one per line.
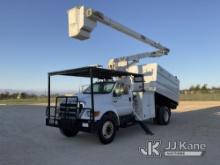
column 85, row 124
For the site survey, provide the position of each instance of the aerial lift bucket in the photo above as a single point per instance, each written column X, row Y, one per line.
column 79, row 25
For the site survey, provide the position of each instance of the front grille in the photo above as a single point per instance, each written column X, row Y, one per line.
column 68, row 110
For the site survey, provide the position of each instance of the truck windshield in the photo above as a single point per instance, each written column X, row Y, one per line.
column 100, row 88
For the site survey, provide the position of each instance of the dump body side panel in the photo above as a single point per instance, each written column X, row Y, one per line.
column 159, row 80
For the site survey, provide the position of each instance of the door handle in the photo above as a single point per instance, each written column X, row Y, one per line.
column 115, row 101
column 129, row 98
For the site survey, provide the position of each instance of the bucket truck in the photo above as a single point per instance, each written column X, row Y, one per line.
column 123, row 94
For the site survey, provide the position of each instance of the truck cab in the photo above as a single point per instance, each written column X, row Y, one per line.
column 114, row 96
column 116, row 100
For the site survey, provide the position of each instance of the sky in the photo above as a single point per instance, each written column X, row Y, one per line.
column 34, row 39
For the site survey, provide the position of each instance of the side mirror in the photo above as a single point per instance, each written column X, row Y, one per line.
column 138, row 84
column 116, row 94
column 138, row 87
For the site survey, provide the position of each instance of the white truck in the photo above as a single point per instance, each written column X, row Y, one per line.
column 117, row 97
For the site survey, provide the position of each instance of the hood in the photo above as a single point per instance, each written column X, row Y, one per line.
column 100, row 100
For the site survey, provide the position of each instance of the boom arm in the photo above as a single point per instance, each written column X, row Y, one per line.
column 82, row 21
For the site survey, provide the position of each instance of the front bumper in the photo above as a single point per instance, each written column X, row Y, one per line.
column 68, row 113
column 82, row 124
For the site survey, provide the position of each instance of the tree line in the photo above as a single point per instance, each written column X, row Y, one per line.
column 201, row 89
column 192, row 89
column 17, row 95
column 23, row 95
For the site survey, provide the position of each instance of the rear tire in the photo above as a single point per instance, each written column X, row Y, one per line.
column 164, row 114
column 107, row 129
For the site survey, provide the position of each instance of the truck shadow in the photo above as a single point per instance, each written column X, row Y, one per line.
column 197, row 123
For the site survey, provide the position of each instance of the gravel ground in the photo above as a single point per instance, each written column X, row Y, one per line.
column 24, row 139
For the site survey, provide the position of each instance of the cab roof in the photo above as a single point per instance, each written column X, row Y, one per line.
column 95, row 72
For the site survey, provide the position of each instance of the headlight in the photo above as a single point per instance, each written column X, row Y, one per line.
column 82, row 104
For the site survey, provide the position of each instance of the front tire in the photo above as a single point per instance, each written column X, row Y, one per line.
column 69, row 132
column 107, row 129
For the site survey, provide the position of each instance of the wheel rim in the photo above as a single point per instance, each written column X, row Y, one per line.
column 108, row 129
column 166, row 116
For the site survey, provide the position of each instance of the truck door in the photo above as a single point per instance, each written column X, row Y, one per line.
column 121, row 99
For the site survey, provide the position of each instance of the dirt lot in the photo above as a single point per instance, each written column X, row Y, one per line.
column 24, row 138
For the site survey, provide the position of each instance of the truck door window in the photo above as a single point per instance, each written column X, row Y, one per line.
column 100, row 88
column 121, row 89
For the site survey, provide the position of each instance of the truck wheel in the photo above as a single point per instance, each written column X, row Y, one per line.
column 107, row 129
column 69, row 132
column 164, row 115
